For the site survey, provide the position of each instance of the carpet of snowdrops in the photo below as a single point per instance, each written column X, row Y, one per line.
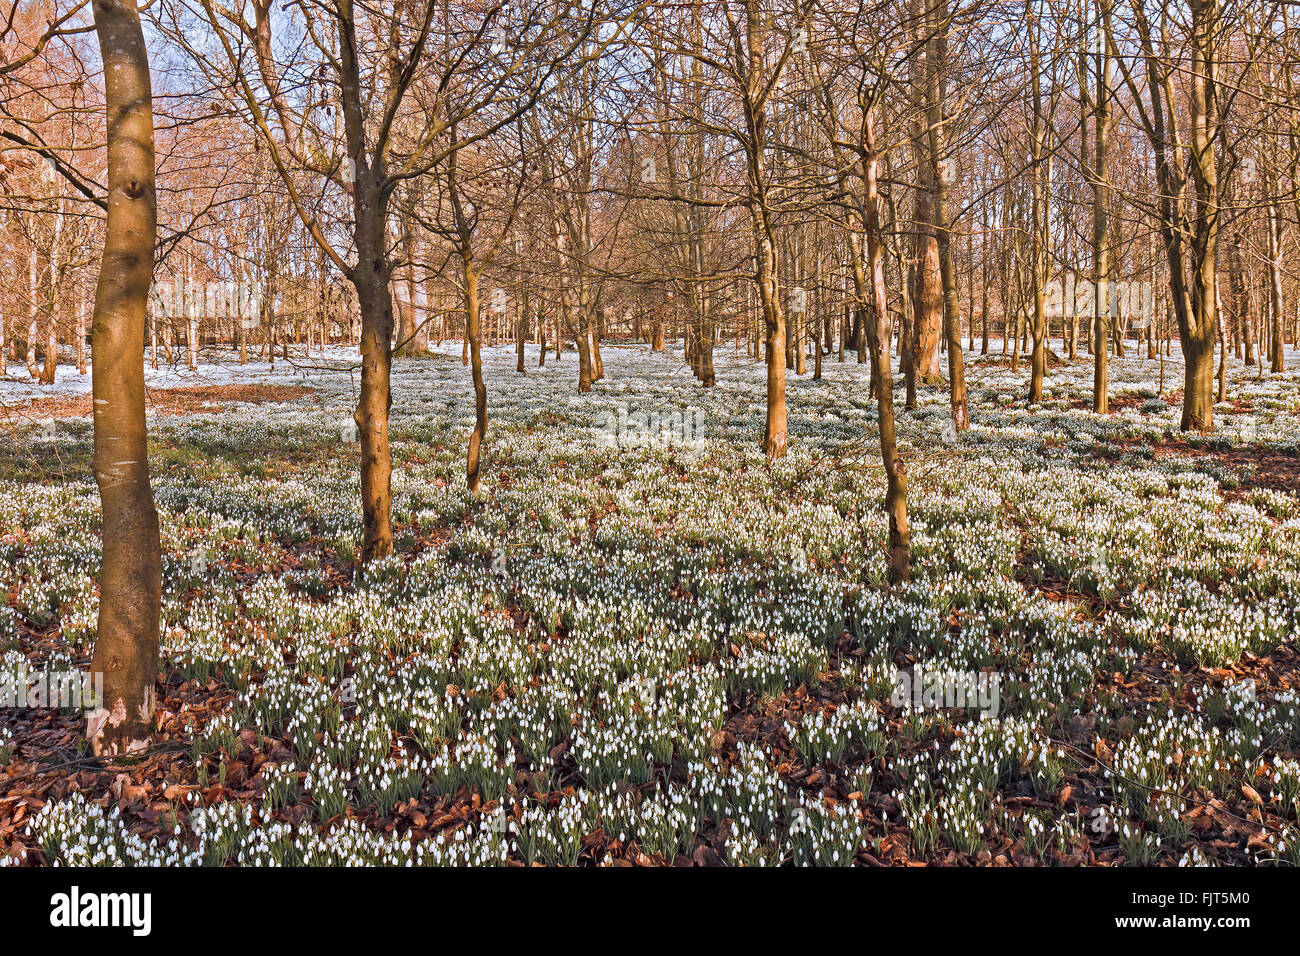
column 656, row 648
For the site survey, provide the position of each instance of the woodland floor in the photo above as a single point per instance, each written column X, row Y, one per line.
column 644, row 646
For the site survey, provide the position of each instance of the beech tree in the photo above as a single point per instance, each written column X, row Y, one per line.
column 852, row 87
column 126, row 638
column 1187, row 174
column 360, row 64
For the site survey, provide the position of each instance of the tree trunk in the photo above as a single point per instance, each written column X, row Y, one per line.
column 413, row 333
column 1277, row 340
column 937, row 140
column 371, row 414
column 597, row 363
column 51, row 368
column 475, row 336
column 81, row 339
column 126, row 637
column 1041, row 204
column 927, row 296
column 775, row 435
column 521, row 331
column 900, row 545
column 371, row 280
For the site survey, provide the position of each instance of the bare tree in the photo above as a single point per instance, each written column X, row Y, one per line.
column 126, row 639
column 1187, row 177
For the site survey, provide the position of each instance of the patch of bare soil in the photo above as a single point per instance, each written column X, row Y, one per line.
column 1257, row 466
column 1114, row 403
column 1260, row 466
column 163, row 401
column 999, row 358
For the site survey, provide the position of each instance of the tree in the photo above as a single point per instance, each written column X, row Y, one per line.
column 472, row 197
column 126, row 638
column 1040, row 167
column 755, row 72
column 374, row 58
column 1099, row 174
column 936, row 165
column 1188, row 206
column 854, row 158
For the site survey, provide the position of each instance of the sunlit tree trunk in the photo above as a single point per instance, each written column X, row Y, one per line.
column 50, row 372
column 1277, row 337
column 33, row 304
column 371, row 277
column 1241, row 299
column 81, row 339
column 1188, row 218
column 937, row 140
column 1101, row 215
column 126, row 638
column 521, row 333
column 775, row 433
column 1040, row 169
column 900, row 544
column 475, row 335
column 412, row 333
column 374, row 297
column 927, row 279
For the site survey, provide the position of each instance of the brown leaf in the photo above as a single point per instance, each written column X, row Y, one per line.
column 1200, row 818
column 178, row 791
column 704, row 855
